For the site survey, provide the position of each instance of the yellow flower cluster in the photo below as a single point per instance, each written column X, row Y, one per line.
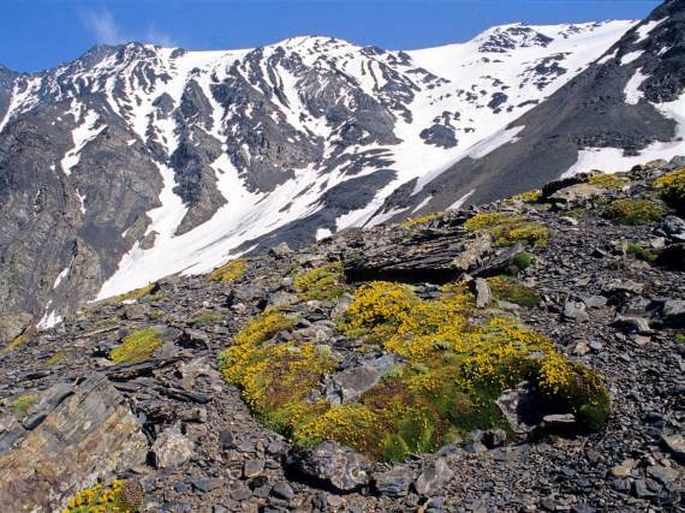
column 136, row 294
column 136, row 347
column 13, row 344
column 101, row 499
column 414, row 221
column 230, row 271
column 321, row 283
column 672, row 186
column 555, row 373
column 608, row 181
column 347, row 423
column 508, row 229
column 526, row 197
column 457, row 360
column 259, row 329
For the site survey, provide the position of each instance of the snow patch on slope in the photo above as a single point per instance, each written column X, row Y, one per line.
column 86, row 131
column 613, row 159
column 61, row 276
column 632, row 89
column 631, row 57
column 460, row 202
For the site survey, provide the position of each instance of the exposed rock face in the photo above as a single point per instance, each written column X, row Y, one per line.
column 72, row 436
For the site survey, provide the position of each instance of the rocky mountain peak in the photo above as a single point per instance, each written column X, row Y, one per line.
column 509, row 37
column 217, row 153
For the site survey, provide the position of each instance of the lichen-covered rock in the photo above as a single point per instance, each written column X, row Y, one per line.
column 434, row 475
column 172, row 448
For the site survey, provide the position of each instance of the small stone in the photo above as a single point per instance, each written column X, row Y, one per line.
column 393, row 483
column 283, row 490
column 676, row 446
column 575, row 311
column 641, row 489
column 673, row 313
column 582, row 348
column 172, row 449
column 596, row 346
column 559, row 423
column 434, row 475
column 253, row 468
column 493, row 438
column 335, row 501
column 641, row 340
column 583, row 508
column 240, row 492
column 280, row 251
column 206, row 484
column 631, row 324
column 226, row 439
column 483, row 293
column 569, row 221
column 674, row 228
column 624, row 469
column 664, row 475
column 594, row 301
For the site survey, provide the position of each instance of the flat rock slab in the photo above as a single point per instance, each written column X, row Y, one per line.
column 89, row 434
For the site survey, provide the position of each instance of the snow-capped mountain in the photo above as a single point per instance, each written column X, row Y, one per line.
column 135, row 162
column 626, row 108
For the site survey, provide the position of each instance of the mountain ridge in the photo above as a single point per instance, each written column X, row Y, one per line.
column 240, row 151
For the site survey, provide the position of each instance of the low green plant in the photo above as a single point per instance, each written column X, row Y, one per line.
column 137, row 294
column 55, row 358
column 514, row 292
column 508, row 229
column 633, row 211
column 641, row 252
column 205, row 317
column 136, row 347
column 321, row 283
column 608, row 181
column 13, row 344
column 415, row 221
column 21, row 404
column 523, row 260
column 230, row 271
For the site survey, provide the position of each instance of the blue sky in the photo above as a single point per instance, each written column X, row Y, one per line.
column 39, row 34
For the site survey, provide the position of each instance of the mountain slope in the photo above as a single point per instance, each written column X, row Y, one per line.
column 135, row 389
column 627, row 108
column 135, row 162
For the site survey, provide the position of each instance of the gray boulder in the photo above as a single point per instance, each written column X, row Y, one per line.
column 332, row 466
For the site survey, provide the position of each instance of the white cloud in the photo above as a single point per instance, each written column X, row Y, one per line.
column 103, row 27
column 107, row 31
column 152, row 35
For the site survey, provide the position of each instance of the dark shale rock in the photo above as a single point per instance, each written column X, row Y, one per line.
column 332, row 466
